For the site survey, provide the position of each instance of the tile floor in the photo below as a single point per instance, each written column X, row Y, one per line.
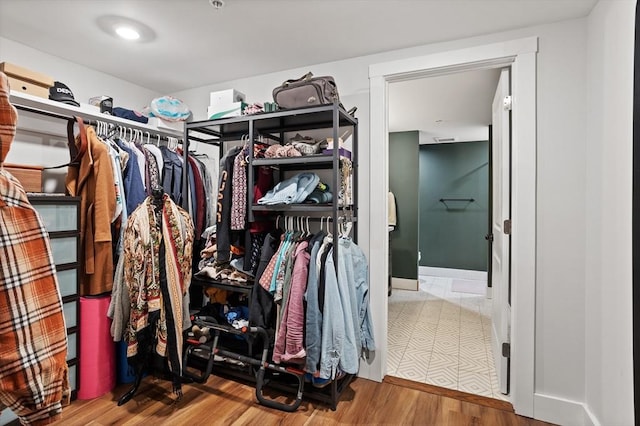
column 442, row 338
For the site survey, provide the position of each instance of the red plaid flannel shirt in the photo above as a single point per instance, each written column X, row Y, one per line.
column 33, row 342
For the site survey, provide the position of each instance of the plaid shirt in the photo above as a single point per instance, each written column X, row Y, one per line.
column 33, row 342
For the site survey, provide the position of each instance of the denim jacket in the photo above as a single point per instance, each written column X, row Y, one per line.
column 338, row 337
column 357, row 270
column 346, row 321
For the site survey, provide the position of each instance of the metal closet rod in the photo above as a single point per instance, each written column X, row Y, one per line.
column 91, row 122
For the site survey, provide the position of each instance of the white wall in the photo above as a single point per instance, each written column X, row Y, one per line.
column 560, row 313
column 45, row 143
column 559, row 365
column 84, row 82
column 609, row 361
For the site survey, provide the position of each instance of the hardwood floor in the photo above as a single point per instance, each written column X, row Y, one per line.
column 226, row 402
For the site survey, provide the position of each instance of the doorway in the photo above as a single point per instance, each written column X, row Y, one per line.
column 440, row 331
column 521, row 56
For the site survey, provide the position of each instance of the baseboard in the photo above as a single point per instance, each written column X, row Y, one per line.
column 404, row 284
column 560, row 411
column 462, row 274
column 589, row 418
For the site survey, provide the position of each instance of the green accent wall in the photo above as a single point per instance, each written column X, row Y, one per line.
column 403, row 178
column 452, row 235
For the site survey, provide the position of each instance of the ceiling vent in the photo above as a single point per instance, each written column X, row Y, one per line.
column 444, row 140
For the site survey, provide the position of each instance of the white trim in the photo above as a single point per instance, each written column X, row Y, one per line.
column 521, row 55
column 455, row 60
column 559, row 411
column 523, row 234
column 462, row 274
column 378, row 217
column 589, row 418
column 404, row 284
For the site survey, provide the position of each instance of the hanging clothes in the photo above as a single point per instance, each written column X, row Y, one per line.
column 354, row 270
column 313, row 319
column 152, row 173
column 289, row 345
column 157, row 154
column 92, row 180
column 132, row 176
column 172, row 174
column 209, row 169
column 33, row 342
column 239, row 192
column 223, row 214
column 157, row 274
column 198, row 196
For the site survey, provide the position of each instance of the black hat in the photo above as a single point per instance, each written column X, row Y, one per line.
column 61, row 93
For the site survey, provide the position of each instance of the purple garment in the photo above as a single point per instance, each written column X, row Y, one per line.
column 289, row 344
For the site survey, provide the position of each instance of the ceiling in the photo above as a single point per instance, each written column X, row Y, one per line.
column 196, row 45
column 456, row 105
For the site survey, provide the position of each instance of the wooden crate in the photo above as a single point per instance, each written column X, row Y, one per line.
column 29, row 176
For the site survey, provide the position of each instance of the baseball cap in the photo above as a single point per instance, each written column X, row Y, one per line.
column 60, row 92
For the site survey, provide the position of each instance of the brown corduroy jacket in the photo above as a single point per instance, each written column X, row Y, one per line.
column 92, row 180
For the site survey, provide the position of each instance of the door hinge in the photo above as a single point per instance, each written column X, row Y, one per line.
column 507, row 103
column 506, row 350
column 506, row 227
column 489, row 237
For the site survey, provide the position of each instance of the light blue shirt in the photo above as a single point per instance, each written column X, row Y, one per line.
column 346, row 320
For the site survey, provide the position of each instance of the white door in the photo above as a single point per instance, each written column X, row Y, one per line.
column 500, row 228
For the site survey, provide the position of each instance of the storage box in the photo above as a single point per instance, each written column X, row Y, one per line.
column 29, row 176
column 225, row 111
column 27, row 81
column 225, row 97
column 164, row 124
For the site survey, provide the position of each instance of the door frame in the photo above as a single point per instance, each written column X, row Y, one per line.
column 520, row 55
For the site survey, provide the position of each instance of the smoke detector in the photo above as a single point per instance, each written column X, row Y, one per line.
column 444, row 139
column 217, row 4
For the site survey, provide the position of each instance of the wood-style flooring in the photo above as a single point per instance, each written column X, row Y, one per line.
column 226, row 402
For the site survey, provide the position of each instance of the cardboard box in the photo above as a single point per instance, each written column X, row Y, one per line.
column 225, row 111
column 27, row 81
column 225, row 97
column 164, row 124
column 29, row 176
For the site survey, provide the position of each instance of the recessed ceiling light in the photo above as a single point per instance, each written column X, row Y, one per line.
column 127, row 33
column 125, row 28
